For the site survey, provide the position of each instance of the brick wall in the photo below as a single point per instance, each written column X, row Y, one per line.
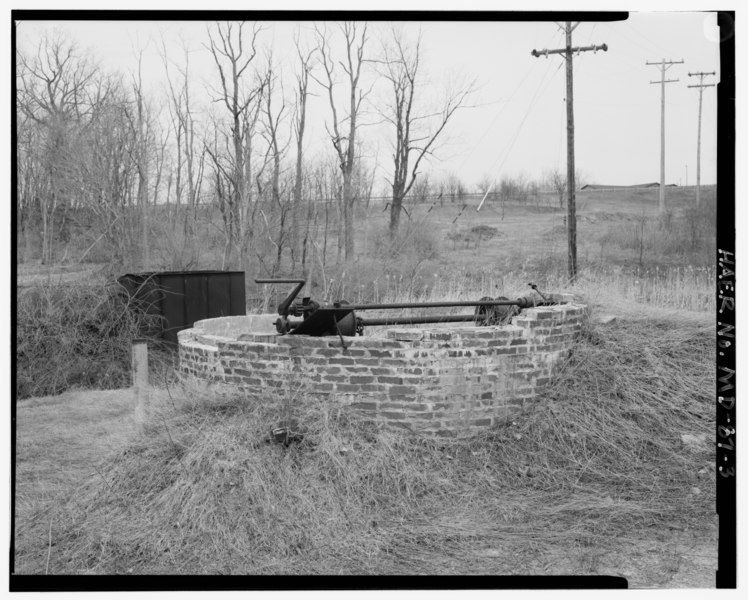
column 439, row 379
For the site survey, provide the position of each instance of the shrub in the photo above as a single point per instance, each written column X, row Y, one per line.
column 73, row 335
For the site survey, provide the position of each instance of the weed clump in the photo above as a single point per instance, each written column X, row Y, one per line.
column 73, row 335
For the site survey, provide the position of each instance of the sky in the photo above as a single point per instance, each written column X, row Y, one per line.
column 515, row 121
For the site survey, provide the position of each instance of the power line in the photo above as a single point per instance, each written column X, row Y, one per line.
column 530, row 107
column 510, row 144
column 487, row 130
column 653, row 45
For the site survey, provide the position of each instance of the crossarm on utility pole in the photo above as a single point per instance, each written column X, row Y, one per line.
column 574, row 50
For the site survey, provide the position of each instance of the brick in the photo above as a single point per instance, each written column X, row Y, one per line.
column 523, row 322
column 327, row 352
column 362, row 379
column 456, row 353
column 370, row 362
column 398, row 406
column 394, row 362
column 421, row 421
column 348, row 387
column 341, row 361
column 368, row 406
column 413, row 371
column 372, row 387
column 298, row 341
column 317, row 361
column 394, row 416
column 357, row 352
column 405, row 335
column 389, row 379
column 500, row 342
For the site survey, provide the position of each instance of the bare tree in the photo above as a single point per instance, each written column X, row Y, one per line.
column 111, row 176
column 556, row 181
column 276, row 149
column 299, row 125
column 355, row 36
column 190, row 158
column 142, row 127
column 454, row 188
column 416, row 129
column 55, row 94
column 233, row 54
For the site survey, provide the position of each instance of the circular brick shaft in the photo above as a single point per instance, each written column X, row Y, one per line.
column 450, row 380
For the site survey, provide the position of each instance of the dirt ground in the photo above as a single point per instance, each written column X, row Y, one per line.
column 64, row 440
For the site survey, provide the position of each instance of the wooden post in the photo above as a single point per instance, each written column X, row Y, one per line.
column 139, row 356
column 571, row 208
column 701, row 87
column 571, row 216
column 664, row 66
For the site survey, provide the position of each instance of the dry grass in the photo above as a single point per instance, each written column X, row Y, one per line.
column 62, row 442
column 596, row 467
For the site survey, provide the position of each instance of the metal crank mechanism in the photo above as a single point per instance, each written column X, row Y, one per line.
column 340, row 319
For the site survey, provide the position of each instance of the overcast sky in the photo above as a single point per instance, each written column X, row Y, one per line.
column 517, row 121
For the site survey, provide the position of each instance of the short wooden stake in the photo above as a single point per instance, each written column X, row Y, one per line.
column 140, row 378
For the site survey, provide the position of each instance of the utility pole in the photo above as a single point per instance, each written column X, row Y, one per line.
column 664, row 66
column 701, row 87
column 571, row 210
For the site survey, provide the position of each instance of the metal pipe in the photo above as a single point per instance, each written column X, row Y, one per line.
column 418, row 320
column 522, row 302
column 415, row 320
column 280, row 281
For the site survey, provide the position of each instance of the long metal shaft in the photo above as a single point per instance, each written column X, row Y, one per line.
column 349, row 307
column 400, row 320
column 419, row 320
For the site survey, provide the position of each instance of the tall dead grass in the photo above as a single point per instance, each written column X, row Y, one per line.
column 73, row 335
column 596, row 461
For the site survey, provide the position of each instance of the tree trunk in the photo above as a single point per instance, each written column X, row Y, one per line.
column 348, row 215
column 395, row 208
